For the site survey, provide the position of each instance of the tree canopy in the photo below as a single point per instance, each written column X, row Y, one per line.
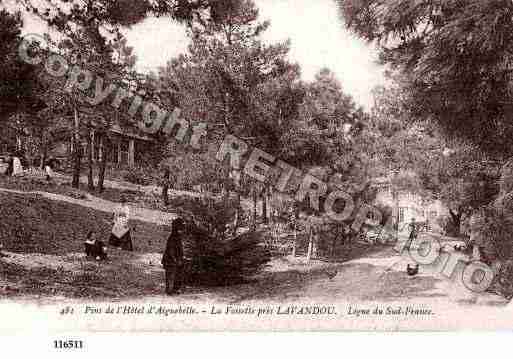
column 455, row 57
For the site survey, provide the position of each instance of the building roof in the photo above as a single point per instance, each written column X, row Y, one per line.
column 131, row 131
column 128, row 133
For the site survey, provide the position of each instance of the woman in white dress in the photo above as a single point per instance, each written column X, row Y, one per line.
column 120, row 235
column 17, row 168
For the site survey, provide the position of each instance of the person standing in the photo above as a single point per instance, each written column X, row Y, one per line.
column 17, row 168
column 413, row 233
column 9, row 166
column 120, row 235
column 172, row 259
column 48, row 170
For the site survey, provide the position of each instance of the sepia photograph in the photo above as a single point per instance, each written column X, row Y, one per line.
column 255, row 165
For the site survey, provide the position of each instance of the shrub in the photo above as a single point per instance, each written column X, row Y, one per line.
column 503, row 282
column 495, row 234
column 216, row 256
column 447, row 226
column 138, row 175
column 491, row 230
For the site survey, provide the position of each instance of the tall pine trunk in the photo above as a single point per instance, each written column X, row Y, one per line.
column 76, row 153
column 310, row 246
column 295, row 219
column 456, row 222
column 270, row 203
column 90, row 178
column 43, row 151
column 238, row 214
column 264, row 205
column 165, row 187
column 255, row 199
column 102, row 156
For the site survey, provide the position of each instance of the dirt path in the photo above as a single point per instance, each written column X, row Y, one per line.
column 137, row 213
column 122, row 185
column 383, row 278
column 361, row 284
column 156, row 190
column 380, row 277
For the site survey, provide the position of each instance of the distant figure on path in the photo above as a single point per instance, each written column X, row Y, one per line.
column 120, row 235
column 172, row 260
column 413, row 233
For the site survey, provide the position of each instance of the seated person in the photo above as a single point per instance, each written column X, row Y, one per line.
column 95, row 247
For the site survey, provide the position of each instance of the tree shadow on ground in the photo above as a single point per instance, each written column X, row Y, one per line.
column 355, row 281
column 117, row 277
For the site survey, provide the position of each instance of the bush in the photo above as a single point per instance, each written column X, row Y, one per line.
column 447, row 226
column 503, row 283
column 138, row 175
column 495, row 230
column 491, row 229
column 216, row 256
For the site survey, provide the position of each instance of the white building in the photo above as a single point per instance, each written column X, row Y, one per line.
column 407, row 205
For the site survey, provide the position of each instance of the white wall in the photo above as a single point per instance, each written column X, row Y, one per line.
column 411, row 205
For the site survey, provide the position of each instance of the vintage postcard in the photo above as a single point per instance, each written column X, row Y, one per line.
column 255, row 165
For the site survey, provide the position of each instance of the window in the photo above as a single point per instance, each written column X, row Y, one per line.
column 401, row 214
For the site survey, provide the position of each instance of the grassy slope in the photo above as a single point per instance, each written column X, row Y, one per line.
column 45, row 242
column 40, row 227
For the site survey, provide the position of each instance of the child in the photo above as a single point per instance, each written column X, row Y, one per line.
column 94, row 247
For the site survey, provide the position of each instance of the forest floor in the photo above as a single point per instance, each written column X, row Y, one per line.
column 42, row 234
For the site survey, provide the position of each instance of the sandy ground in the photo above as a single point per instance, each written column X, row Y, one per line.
column 435, row 301
column 365, row 283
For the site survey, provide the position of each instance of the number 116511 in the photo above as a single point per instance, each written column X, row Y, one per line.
column 68, row 344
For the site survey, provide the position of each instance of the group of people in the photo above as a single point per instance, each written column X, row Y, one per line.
column 477, row 251
column 120, row 237
column 15, row 167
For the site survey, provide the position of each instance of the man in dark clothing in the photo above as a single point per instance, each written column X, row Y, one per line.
column 172, row 260
column 9, row 166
